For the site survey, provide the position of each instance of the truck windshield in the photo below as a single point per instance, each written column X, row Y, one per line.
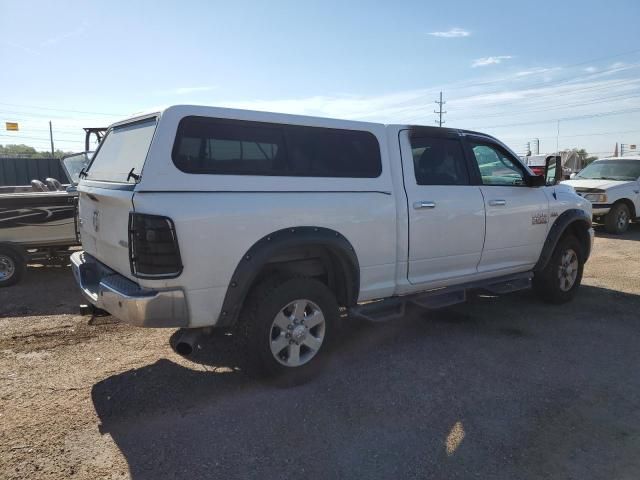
column 611, row 170
column 124, row 148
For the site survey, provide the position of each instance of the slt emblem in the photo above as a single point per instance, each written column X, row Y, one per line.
column 539, row 218
column 96, row 221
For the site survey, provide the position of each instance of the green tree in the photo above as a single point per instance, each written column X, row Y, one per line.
column 27, row 151
column 582, row 153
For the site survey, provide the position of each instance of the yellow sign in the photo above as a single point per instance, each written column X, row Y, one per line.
column 12, row 126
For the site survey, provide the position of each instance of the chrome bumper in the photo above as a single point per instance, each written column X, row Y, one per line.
column 125, row 299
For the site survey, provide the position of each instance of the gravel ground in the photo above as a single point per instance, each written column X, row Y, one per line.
column 495, row 388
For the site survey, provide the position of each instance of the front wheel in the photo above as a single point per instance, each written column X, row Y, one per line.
column 287, row 327
column 617, row 220
column 560, row 279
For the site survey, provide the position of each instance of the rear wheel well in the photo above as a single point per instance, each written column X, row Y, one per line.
column 318, row 262
column 313, row 252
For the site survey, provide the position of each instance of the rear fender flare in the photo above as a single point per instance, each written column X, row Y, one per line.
column 278, row 243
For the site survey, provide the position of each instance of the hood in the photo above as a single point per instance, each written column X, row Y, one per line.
column 580, row 183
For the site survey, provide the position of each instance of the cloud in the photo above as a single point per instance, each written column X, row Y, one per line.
column 485, row 61
column 472, row 105
column 65, row 35
column 590, row 69
column 22, row 47
column 451, row 33
column 535, row 71
column 186, row 90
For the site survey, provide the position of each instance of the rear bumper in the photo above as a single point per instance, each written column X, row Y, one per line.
column 125, row 299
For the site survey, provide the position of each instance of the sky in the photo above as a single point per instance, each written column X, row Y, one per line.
column 566, row 73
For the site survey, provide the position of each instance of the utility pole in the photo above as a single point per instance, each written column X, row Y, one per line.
column 440, row 112
column 51, row 138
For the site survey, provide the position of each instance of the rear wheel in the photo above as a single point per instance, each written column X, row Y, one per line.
column 617, row 220
column 287, row 327
column 11, row 267
column 560, row 279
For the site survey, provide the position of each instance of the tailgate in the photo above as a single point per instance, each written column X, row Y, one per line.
column 106, row 192
column 104, row 226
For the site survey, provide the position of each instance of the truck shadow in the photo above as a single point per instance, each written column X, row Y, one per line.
column 436, row 394
column 633, row 233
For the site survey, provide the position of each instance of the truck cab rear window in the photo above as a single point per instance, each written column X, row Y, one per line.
column 232, row 147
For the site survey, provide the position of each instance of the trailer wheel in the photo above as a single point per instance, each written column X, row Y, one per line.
column 12, row 267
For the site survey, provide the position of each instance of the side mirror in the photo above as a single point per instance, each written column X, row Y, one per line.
column 573, row 175
column 536, row 181
column 553, row 170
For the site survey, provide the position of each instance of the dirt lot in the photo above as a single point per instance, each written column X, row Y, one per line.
column 494, row 388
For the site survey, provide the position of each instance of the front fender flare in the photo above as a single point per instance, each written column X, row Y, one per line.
column 564, row 221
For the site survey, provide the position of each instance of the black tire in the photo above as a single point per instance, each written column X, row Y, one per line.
column 256, row 329
column 12, row 266
column 617, row 220
column 549, row 283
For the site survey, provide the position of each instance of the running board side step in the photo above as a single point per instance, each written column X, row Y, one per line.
column 380, row 311
column 394, row 307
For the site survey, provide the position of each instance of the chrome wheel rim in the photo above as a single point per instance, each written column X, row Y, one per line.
column 568, row 269
column 622, row 220
column 7, row 268
column 297, row 333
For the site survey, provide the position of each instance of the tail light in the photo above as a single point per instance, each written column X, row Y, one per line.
column 153, row 246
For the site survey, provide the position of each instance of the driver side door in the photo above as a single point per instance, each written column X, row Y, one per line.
column 517, row 216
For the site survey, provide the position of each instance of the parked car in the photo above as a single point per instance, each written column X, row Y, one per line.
column 37, row 221
column 538, row 164
column 272, row 224
column 612, row 185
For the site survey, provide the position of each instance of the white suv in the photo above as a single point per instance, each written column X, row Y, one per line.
column 612, row 185
column 273, row 224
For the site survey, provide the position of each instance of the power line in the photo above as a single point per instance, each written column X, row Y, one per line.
column 602, row 114
column 62, row 110
column 561, row 82
column 619, row 132
column 557, row 94
column 36, row 115
column 555, row 107
column 593, row 60
column 40, row 138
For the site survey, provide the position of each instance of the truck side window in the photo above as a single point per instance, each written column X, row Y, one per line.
column 496, row 166
column 234, row 147
column 439, row 161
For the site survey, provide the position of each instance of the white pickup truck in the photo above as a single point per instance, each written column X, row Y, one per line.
column 612, row 185
column 277, row 224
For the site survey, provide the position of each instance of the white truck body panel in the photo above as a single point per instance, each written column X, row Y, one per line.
column 400, row 249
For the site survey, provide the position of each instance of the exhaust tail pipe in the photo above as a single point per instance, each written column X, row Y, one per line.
column 187, row 341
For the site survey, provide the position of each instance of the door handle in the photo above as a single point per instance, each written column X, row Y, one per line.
column 424, row 204
column 497, row 203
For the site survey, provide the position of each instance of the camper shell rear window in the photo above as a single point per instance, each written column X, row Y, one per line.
column 123, row 150
column 206, row 145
